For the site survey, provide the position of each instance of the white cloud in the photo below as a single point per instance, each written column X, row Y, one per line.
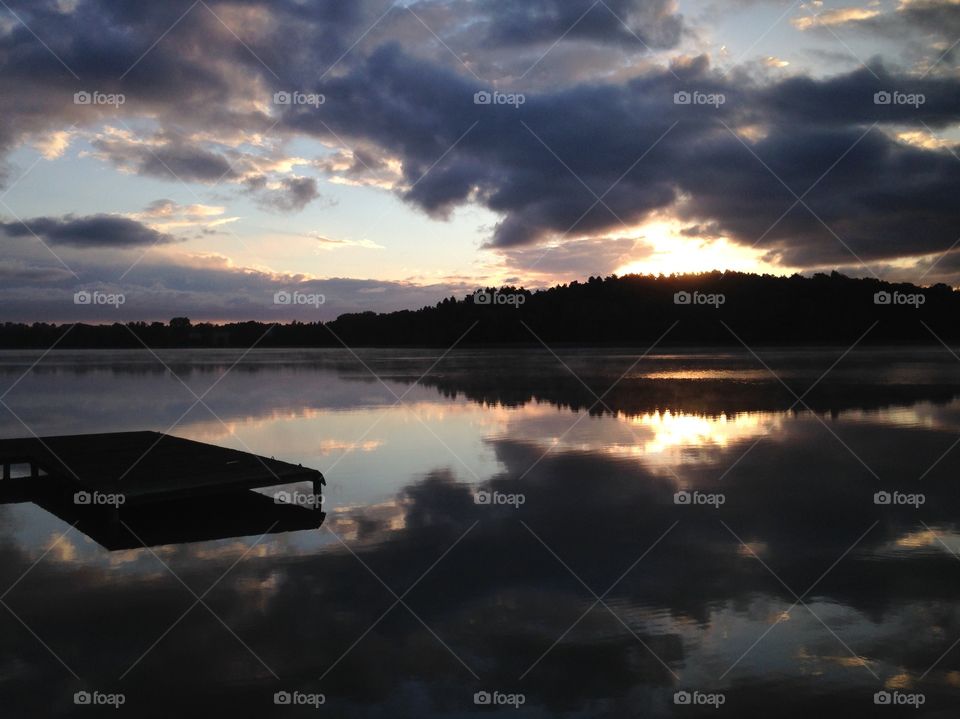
column 329, row 243
column 834, row 17
column 54, row 144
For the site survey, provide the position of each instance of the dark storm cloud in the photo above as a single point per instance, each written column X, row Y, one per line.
column 654, row 23
column 93, row 231
column 544, row 176
column 847, row 101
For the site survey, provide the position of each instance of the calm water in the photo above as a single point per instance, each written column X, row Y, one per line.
column 582, row 589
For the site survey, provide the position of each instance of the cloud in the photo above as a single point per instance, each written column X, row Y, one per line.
column 169, row 208
column 594, row 151
column 575, row 259
column 633, row 146
column 367, row 167
column 172, row 156
column 94, row 231
column 169, row 158
column 776, row 62
column 169, row 216
column 838, row 16
column 183, row 163
column 328, row 243
column 709, row 231
column 291, row 194
column 926, row 30
column 14, row 273
column 167, row 283
column 54, row 145
column 638, row 24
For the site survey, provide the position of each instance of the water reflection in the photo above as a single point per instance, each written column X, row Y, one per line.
column 200, row 519
column 693, row 597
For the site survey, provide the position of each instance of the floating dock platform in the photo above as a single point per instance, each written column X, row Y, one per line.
column 127, row 489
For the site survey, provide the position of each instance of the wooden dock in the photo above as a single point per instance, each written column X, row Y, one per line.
column 170, row 490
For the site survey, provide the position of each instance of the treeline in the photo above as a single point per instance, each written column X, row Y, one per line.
column 628, row 310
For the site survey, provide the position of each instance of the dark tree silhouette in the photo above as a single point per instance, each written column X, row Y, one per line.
column 629, row 310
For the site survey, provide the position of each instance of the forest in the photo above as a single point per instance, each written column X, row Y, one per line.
column 710, row 309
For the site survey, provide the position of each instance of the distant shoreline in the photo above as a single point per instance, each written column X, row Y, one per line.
column 720, row 309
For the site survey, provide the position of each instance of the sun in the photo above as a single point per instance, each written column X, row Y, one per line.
column 668, row 250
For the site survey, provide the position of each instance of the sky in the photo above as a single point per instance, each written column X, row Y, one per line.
column 285, row 159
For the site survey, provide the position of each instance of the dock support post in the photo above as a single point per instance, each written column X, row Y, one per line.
column 6, row 471
column 318, row 492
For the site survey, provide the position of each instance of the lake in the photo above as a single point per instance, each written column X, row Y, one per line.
column 510, row 533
